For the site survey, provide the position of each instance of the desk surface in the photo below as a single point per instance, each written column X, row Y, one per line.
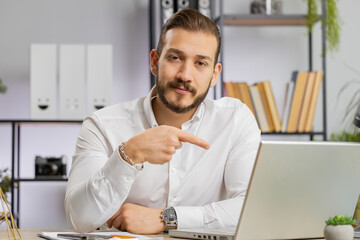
column 31, row 234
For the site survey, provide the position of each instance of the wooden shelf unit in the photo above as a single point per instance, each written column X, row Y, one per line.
column 15, row 156
column 264, row 20
column 261, row 20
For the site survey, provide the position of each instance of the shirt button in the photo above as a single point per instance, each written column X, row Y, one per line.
column 129, row 178
column 173, row 170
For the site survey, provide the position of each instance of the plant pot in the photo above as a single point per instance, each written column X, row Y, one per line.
column 339, row 232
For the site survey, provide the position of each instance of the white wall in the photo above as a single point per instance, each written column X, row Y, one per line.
column 124, row 24
column 251, row 54
column 344, row 65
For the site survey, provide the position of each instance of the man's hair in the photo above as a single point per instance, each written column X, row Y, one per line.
column 193, row 21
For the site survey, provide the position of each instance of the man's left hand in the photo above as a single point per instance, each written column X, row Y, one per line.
column 137, row 219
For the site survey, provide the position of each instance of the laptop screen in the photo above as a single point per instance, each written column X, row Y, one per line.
column 296, row 186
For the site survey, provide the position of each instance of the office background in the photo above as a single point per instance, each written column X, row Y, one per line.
column 250, row 54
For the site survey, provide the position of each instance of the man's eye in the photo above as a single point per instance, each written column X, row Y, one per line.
column 173, row 58
column 201, row 64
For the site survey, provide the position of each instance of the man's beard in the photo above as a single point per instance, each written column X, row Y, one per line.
column 178, row 83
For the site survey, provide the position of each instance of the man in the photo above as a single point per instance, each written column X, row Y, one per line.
column 172, row 159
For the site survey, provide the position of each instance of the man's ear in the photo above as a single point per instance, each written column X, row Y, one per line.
column 154, row 61
column 216, row 74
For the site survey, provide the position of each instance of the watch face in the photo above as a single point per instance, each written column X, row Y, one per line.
column 169, row 215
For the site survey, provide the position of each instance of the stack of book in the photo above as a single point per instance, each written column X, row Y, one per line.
column 260, row 99
column 301, row 100
column 299, row 107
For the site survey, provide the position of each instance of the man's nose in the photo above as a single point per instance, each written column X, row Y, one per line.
column 186, row 71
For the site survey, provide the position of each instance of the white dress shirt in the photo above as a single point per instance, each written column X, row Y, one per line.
column 206, row 187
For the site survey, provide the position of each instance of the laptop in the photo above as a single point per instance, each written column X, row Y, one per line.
column 293, row 189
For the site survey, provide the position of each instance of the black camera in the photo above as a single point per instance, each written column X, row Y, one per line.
column 50, row 167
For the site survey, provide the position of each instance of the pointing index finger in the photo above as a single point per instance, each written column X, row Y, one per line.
column 187, row 137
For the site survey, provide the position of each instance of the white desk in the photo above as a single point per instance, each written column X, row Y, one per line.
column 31, row 234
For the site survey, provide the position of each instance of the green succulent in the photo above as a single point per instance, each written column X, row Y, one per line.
column 340, row 220
column 2, row 87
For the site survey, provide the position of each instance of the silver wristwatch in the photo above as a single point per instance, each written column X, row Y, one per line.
column 168, row 216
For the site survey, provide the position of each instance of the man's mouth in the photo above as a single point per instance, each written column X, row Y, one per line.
column 181, row 90
column 181, row 87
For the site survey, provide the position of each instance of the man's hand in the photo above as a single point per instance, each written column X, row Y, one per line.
column 157, row 145
column 137, row 219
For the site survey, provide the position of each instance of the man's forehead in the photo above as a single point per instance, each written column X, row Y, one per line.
column 199, row 42
column 181, row 31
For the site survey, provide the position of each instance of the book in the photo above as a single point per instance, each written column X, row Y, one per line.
column 313, row 101
column 236, row 90
column 306, row 102
column 259, row 108
column 265, row 99
column 288, row 100
column 272, row 106
column 229, row 89
column 245, row 96
column 296, row 102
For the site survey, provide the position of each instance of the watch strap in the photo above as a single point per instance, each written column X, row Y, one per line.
column 170, row 226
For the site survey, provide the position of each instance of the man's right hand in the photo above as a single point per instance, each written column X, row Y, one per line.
column 157, row 145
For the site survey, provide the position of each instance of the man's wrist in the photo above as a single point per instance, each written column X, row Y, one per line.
column 126, row 158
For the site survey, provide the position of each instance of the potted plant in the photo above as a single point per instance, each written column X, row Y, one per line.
column 339, row 228
column 2, row 87
column 5, row 185
column 351, row 133
column 5, row 181
column 332, row 21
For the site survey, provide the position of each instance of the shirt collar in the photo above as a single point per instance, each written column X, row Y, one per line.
column 198, row 114
column 149, row 113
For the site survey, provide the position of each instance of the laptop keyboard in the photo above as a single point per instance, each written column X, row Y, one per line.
column 357, row 232
column 227, row 231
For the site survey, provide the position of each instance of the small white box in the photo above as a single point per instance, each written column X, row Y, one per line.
column 72, row 82
column 43, row 65
column 99, row 76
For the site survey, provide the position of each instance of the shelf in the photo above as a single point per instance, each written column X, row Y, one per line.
column 263, row 20
column 18, row 122
column 289, row 20
column 295, row 133
column 40, row 180
column 15, row 154
column 38, row 121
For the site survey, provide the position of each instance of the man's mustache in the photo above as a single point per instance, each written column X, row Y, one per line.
column 179, row 83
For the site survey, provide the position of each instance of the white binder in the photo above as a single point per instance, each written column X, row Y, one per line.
column 43, row 65
column 99, row 76
column 72, row 82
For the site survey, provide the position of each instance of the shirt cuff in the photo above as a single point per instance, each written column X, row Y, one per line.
column 189, row 217
column 119, row 171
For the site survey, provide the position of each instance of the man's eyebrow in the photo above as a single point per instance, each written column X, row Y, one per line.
column 177, row 51
column 204, row 57
column 174, row 50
